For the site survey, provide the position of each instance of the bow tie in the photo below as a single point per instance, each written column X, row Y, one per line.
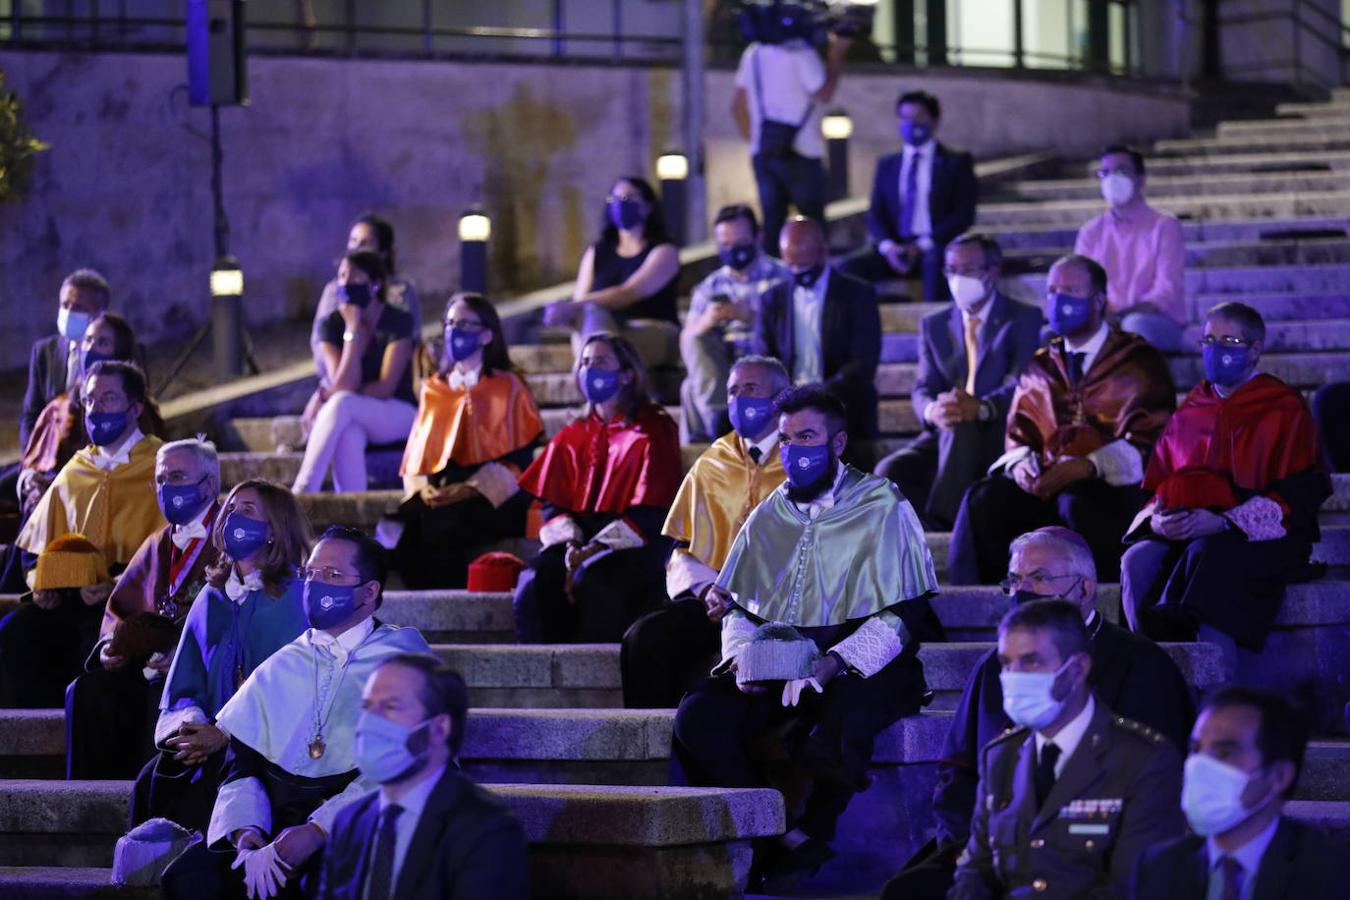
column 237, row 590
column 185, row 534
column 460, row 382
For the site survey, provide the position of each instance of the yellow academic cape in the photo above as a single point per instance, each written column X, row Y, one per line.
column 116, row 510
column 721, row 490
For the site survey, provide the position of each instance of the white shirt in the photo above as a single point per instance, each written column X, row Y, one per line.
column 464, row 381
column 764, row 446
column 412, row 804
column 340, row 647
column 790, row 74
column 1091, row 347
column 184, row 534
column 238, row 590
column 808, row 354
column 107, row 461
column 1069, row 736
column 922, row 156
column 1249, row 856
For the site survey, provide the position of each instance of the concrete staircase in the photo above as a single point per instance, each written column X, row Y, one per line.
column 1264, row 205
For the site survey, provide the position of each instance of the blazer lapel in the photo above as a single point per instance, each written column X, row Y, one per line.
column 422, row 853
column 362, row 845
column 954, row 358
column 1277, row 866
column 1024, row 780
column 1083, row 769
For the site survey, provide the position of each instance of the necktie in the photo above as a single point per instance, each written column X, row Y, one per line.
column 73, row 366
column 1045, row 772
column 972, row 352
column 910, row 201
column 1230, row 878
column 382, row 866
column 755, row 454
column 1076, row 367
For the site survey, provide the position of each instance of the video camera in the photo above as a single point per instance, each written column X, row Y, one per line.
column 779, row 21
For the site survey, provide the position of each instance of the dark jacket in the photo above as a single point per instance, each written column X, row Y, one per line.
column 952, row 195
column 467, row 846
column 1301, row 863
column 46, row 379
column 1130, row 674
column 850, row 341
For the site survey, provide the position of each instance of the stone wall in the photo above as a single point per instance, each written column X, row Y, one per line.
column 125, row 187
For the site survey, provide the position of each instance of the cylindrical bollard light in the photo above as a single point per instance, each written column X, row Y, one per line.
column 672, row 171
column 837, row 128
column 475, row 228
column 227, row 318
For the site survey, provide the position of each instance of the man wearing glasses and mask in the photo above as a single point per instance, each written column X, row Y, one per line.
column 1131, row 675
column 291, row 767
column 1237, row 478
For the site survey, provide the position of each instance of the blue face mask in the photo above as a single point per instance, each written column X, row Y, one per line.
column 915, row 133
column 381, row 751
column 106, row 427
column 92, row 357
column 599, row 385
column 804, row 465
column 180, row 503
column 72, row 325
column 625, row 213
column 243, row 536
column 807, row 278
column 327, row 605
column 463, row 344
column 1069, row 314
column 357, row 295
column 1226, row 366
column 749, row 415
column 738, row 256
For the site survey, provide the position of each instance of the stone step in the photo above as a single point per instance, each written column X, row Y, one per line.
column 1331, row 126
column 1332, row 141
column 1207, row 183
column 1238, row 282
column 1208, row 231
column 1332, row 110
column 1269, row 161
column 1006, row 216
column 1212, row 255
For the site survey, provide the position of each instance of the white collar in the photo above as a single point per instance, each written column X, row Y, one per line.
column 1069, row 736
column 238, row 591
column 817, row 290
column 1249, row 854
column 342, row 646
column 463, row 382
column 927, row 148
column 184, row 534
column 108, row 461
column 1092, row 345
column 765, row 446
column 414, row 800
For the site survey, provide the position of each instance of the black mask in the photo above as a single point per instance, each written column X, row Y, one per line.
column 738, row 256
column 808, row 277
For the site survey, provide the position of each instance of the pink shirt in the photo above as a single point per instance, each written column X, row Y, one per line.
column 1144, row 257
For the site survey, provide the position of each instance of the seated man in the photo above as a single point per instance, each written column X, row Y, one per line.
column 667, row 651
column 111, row 709
column 1133, row 676
column 969, row 360
column 824, row 326
column 428, row 831
column 922, row 197
column 1083, row 419
column 1237, row 478
column 54, row 362
column 1142, row 251
column 720, row 327
column 1246, row 752
column 860, row 574
column 291, row 762
column 1070, row 799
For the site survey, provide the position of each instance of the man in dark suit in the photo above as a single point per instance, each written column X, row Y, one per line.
column 824, row 326
column 1130, row 674
column 1070, row 799
column 428, row 832
column 1246, row 752
column 969, row 358
column 53, row 363
column 922, row 198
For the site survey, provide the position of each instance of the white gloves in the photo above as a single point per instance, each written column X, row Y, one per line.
column 792, row 690
column 264, row 872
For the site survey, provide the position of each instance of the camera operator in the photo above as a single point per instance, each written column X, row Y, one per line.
column 781, row 88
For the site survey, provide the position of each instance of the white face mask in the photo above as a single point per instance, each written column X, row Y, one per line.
column 1118, row 188
column 967, row 291
column 1028, row 697
column 1211, row 795
column 72, row 325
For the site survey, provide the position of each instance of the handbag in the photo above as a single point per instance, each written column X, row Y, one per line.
column 775, row 138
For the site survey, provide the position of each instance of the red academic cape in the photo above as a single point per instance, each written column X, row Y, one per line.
column 1216, row 453
column 609, row 467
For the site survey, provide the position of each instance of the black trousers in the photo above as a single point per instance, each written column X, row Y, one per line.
column 667, row 652
column 41, row 650
column 935, row 469
column 718, row 730
column 1331, row 409
column 110, row 723
column 869, row 265
column 167, row 789
column 437, row 545
column 995, row 511
column 799, row 180
column 610, row 594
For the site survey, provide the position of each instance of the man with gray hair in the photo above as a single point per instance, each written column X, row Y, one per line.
column 1133, row 676
column 666, row 651
column 111, row 709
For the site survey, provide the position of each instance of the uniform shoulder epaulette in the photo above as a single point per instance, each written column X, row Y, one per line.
column 1138, row 729
column 1008, row 735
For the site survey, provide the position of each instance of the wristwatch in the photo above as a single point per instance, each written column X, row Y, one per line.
column 348, row 336
column 986, row 413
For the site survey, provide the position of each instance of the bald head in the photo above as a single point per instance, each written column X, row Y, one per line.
column 801, row 243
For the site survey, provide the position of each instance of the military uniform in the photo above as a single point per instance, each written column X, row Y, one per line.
column 1117, row 794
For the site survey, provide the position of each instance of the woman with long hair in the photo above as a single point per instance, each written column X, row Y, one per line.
column 476, row 429
column 606, row 481
column 250, row 607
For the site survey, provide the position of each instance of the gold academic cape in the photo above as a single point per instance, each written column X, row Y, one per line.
column 721, row 490
column 116, row 510
column 854, row 560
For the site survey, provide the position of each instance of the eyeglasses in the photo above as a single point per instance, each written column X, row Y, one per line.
column 326, row 574
column 1212, row 340
column 1106, row 173
column 106, row 401
column 1016, row 580
column 468, row 325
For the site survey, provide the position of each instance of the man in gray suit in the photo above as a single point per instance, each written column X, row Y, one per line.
column 1069, row 801
column 969, row 358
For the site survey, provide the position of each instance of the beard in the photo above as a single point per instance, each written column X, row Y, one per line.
column 809, row 492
